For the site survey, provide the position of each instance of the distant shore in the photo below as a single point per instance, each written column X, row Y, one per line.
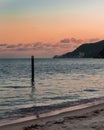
column 84, row 116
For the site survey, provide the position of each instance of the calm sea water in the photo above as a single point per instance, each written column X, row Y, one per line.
column 58, row 83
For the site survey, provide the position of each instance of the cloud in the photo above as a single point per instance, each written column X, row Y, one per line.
column 14, row 47
column 74, row 40
column 41, row 46
column 66, row 40
column 41, row 49
column 11, row 46
column 46, row 46
column 71, row 40
column 78, row 41
column 3, row 45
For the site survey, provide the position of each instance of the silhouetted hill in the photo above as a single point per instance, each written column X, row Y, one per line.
column 89, row 50
column 100, row 55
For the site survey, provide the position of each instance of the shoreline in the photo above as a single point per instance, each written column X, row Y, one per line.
column 28, row 121
column 30, row 112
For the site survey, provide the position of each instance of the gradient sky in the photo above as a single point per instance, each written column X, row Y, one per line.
column 45, row 28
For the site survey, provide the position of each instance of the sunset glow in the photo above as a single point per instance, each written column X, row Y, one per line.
column 38, row 27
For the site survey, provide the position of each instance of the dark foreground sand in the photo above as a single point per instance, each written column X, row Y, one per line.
column 90, row 118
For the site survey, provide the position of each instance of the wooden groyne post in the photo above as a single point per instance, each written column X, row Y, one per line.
column 32, row 71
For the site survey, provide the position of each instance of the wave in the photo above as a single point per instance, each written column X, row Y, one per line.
column 24, row 112
column 90, row 90
column 62, row 97
column 15, row 87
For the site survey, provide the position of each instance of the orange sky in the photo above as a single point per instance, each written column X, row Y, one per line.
column 49, row 22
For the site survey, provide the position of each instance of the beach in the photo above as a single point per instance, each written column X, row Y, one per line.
column 88, row 116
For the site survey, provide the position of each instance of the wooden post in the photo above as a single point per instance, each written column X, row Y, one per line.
column 32, row 71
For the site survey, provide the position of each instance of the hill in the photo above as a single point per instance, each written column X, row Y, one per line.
column 88, row 50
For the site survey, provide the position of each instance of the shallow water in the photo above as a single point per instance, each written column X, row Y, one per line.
column 57, row 81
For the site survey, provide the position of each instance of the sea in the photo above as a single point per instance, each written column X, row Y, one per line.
column 59, row 83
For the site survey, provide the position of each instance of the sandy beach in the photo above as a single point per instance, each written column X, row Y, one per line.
column 89, row 118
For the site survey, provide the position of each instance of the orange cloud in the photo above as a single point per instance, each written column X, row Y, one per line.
column 42, row 49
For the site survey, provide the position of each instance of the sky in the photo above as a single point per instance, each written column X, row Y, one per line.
column 45, row 28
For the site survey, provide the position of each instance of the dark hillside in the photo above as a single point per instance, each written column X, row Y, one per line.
column 89, row 50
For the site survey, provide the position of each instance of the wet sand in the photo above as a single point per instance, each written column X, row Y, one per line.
column 83, row 117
